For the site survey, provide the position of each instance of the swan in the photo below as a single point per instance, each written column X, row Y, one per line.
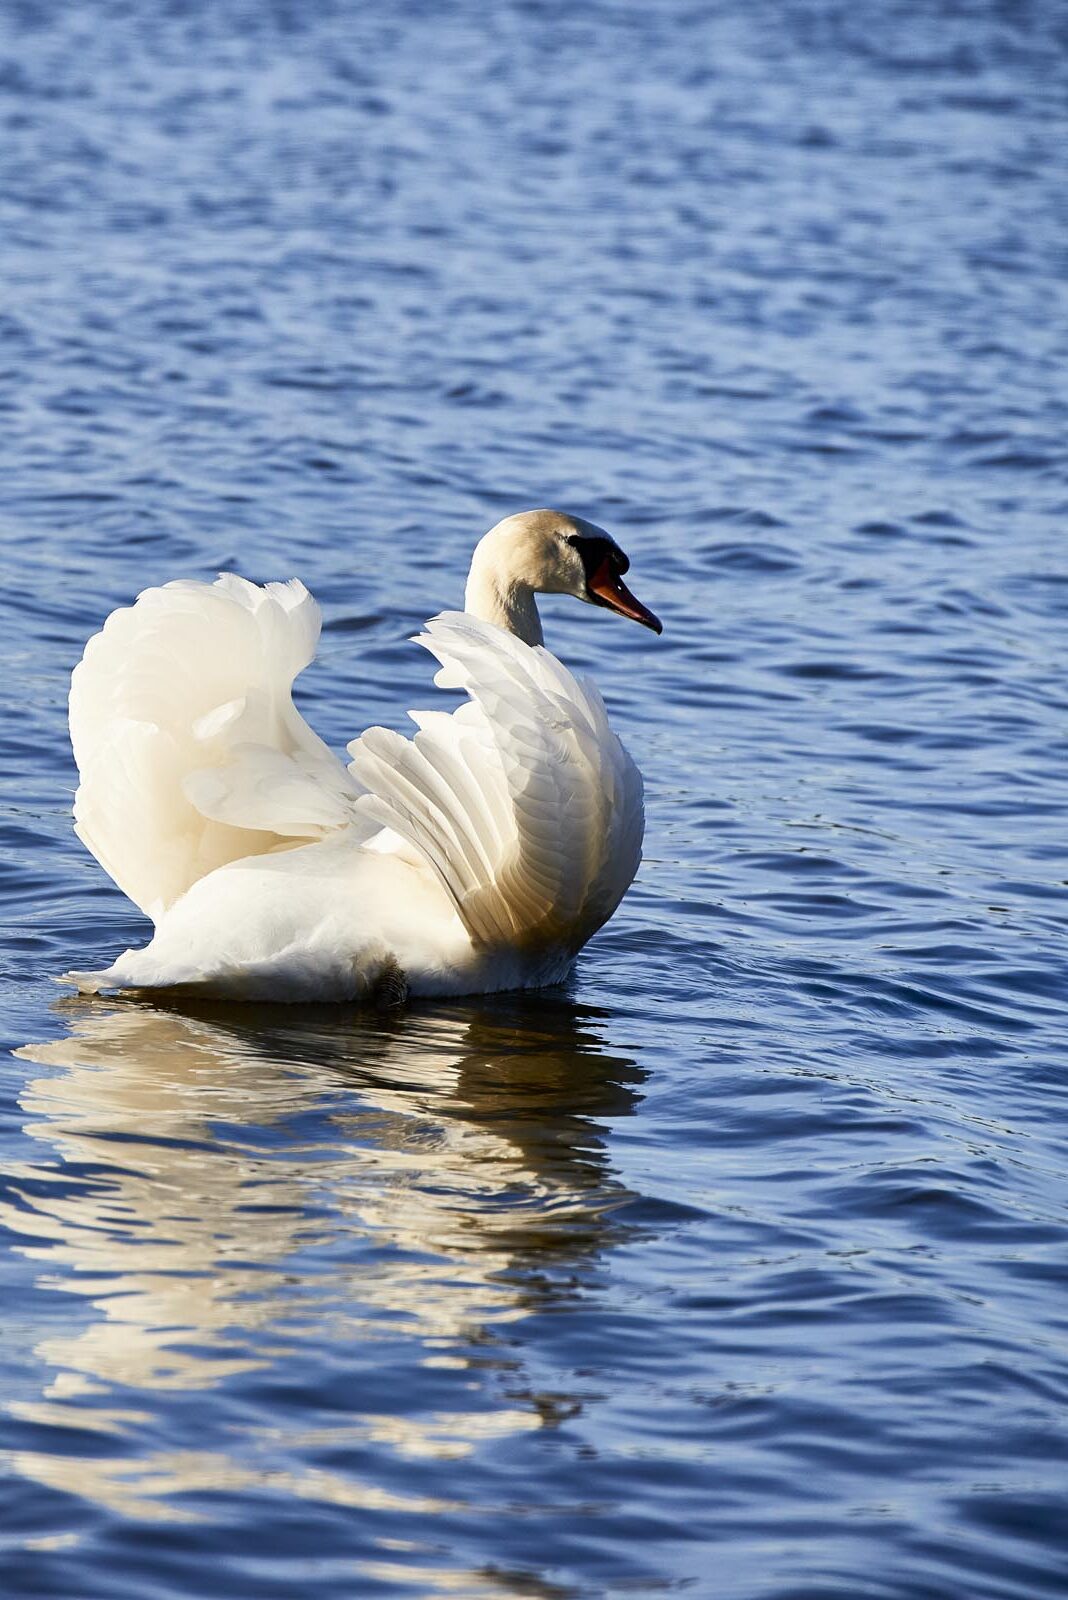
column 479, row 855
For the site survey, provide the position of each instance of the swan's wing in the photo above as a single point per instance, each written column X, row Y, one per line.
column 189, row 748
column 523, row 801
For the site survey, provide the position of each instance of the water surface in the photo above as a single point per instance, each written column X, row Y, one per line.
column 737, row 1267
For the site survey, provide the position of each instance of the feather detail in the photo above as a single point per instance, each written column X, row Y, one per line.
column 523, row 802
column 190, row 751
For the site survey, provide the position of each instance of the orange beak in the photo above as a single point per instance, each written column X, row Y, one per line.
column 609, row 590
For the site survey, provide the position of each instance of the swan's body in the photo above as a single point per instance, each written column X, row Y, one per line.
column 479, row 855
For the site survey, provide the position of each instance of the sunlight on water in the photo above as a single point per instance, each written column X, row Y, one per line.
column 248, row 1187
column 735, row 1267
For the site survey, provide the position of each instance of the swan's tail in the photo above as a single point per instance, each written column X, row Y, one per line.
column 523, row 801
column 189, row 749
column 84, row 982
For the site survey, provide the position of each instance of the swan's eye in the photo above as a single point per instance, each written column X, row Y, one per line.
column 596, row 552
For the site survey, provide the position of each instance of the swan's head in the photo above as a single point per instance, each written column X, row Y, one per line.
column 548, row 552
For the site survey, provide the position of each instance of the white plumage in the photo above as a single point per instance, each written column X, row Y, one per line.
column 479, row 855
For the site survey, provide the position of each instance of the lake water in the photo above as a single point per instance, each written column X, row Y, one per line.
column 738, row 1268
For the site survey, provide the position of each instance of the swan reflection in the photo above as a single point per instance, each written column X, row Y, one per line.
column 234, row 1190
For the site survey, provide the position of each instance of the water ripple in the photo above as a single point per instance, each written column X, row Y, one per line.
column 736, row 1267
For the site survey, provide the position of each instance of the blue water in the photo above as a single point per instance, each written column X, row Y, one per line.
column 738, row 1267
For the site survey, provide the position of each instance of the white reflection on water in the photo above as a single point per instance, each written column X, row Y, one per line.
column 230, row 1189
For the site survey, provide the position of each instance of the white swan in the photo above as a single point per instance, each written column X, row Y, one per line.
column 479, row 855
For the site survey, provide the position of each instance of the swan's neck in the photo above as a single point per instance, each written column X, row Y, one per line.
column 505, row 602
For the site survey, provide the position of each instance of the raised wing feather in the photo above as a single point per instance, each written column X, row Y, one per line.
column 523, row 802
column 189, row 748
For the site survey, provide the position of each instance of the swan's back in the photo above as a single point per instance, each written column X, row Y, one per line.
column 189, row 749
